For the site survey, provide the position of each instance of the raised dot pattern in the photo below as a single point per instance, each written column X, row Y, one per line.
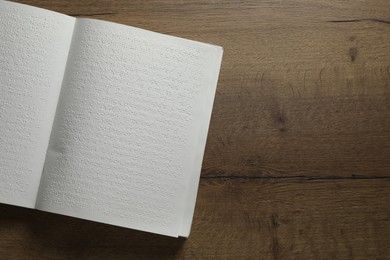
column 31, row 46
column 123, row 125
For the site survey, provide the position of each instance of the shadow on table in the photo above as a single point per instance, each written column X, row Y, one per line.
column 29, row 233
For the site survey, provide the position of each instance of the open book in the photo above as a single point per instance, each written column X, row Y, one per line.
column 102, row 121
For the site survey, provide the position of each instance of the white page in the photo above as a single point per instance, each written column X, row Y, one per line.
column 34, row 44
column 130, row 128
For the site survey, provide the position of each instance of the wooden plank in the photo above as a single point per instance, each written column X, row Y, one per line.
column 303, row 94
column 235, row 219
column 304, row 87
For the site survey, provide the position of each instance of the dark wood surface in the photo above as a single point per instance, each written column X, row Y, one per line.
column 297, row 164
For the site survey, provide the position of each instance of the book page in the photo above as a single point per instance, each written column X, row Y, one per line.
column 34, row 44
column 130, row 129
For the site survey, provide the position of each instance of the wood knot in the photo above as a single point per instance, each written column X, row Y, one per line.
column 281, row 119
column 274, row 221
column 353, row 52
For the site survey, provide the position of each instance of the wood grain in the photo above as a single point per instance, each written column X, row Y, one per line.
column 235, row 219
column 297, row 164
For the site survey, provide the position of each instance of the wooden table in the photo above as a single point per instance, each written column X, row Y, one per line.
column 297, row 164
